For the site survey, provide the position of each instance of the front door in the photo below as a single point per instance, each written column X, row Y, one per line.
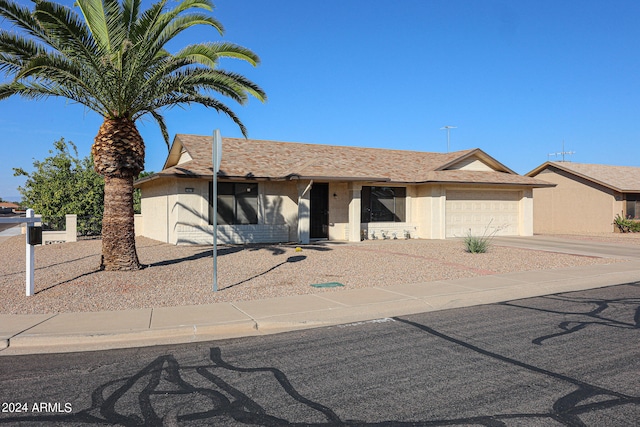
column 319, row 211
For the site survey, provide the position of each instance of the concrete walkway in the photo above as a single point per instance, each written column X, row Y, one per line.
column 66, row 332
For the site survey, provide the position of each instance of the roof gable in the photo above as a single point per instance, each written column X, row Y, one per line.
column 477, row 160
column 618, row 178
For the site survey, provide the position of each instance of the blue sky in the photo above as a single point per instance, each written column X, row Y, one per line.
column 517, row 78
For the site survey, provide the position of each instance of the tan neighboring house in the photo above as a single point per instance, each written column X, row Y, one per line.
column 272, row 191
column 8, row 207
column 586, row 198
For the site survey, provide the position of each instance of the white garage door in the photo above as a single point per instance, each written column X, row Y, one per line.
column 477, row 210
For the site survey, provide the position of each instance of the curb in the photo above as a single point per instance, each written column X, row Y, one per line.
column 65, row 343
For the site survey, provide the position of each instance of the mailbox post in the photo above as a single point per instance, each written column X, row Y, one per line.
column 30, row 254
column 33, row 236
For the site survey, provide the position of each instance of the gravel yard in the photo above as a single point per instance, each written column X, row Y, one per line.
column 67, row 279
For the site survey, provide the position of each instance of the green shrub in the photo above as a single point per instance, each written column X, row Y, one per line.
column 626, row 225
column 479, row 244
column 476, row 245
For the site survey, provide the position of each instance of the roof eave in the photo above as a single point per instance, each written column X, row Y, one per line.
column 490, row 183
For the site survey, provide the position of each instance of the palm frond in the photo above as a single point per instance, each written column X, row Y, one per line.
column 130, row 12
column 163, row 127
column 22, row 17
column 113, row 57
column 15, row 51
column 95, row 15
column 209, row 53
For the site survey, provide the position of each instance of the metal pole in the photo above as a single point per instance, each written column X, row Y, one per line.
column 216, row 141
column 30, row 253
column 216, row 157
column 448, row 128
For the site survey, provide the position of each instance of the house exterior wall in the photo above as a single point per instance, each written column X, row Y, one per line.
column 526, row 212
column 176, row 211
column 575, row 205
column 278, row 206
column 338, row 211
column 192, row 209
column 432, row 212
column 157, row 197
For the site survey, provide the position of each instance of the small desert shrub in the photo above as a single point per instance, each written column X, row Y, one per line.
column 479, row 244
column 476, row 244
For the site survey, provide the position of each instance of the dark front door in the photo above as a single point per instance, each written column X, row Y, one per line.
column 319, row 211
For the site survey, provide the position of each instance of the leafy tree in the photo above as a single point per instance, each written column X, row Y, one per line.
column 137, row 194
column 111, row 57
column 63, row 184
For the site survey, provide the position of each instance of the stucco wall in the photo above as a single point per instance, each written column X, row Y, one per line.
column 338, row 211
column 428, row 212
column 156, row 198
column 278, row 205
column 177, row 211
column 573, row 206
column 192, row 210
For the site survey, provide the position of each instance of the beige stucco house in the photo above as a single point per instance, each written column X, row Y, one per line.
column 586, row 197
column 272, row 191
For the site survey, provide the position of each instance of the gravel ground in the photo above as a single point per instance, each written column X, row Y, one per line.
column 67, row 278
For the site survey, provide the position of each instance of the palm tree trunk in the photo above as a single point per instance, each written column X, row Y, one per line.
column 118, row 155
column 118, row 233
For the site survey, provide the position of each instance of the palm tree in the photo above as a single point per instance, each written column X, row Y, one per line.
column 112, row 58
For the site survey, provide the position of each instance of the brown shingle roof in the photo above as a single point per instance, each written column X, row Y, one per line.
column 619, row 178
column 259, row 159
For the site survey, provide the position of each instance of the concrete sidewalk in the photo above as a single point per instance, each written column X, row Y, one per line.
column 67, row 332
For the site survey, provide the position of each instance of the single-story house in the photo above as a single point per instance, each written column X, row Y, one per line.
column 272, row 191
column 8, row 207
column 586, row 197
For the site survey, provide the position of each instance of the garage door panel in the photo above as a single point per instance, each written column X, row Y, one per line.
column 482, row 212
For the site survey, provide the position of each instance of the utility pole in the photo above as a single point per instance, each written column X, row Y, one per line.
column 448, row 128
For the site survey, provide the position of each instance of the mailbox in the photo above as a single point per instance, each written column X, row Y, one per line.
column 34, row 235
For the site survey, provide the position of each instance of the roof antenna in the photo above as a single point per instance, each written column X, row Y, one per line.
column 561, row 153
column 448, row 128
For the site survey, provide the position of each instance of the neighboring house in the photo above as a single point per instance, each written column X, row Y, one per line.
column 8, row 207
column 586, row 197
column 284, row 192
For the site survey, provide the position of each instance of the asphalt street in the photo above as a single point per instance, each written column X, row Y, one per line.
column 568, row 359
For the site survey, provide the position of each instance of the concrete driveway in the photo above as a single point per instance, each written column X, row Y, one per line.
column 570, row 246
column 9, row 230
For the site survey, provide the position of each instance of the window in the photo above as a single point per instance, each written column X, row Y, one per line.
column 633, row 206
column 383, row 204
column 237, row 203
